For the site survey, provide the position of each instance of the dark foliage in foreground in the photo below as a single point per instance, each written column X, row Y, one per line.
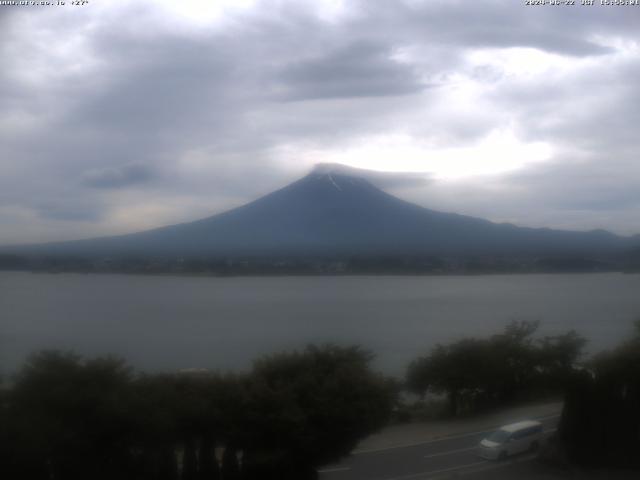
column 66, row 418
column 475, row 373
column 600, row 423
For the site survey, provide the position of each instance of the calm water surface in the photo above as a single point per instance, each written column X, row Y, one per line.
column 158, row 322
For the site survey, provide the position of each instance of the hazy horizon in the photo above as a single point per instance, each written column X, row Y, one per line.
column 377, row 178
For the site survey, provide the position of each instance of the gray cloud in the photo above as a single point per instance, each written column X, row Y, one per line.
column 357, row 70
column 384, row 180
column 70, row 210
column 495, row 23
column 116, row 177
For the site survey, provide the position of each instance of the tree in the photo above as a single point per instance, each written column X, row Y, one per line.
column 515, row 352
column 462, row 370
column 188, row 413
column 600, row 421
column 230, row 465
column 556, row 359
column 310, row 408
column 475, row 372
column 70, row 418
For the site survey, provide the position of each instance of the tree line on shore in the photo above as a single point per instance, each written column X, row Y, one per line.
column 66, row 418
column 398, row 264
column 63, row 417
column 512, row 365
column 600, row 421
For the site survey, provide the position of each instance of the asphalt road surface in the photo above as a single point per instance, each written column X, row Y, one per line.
column 439, row 458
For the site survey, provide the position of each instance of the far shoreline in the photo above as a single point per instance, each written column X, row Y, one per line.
column 317, row 275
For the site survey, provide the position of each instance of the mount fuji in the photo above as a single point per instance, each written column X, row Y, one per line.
column 334, row 211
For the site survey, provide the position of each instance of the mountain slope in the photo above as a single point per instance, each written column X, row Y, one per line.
column 332, row 212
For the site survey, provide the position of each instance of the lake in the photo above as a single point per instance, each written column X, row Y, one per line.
column 174, row 322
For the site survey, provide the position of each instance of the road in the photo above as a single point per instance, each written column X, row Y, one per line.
column 438, row 458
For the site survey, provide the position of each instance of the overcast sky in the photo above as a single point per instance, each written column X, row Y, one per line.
column 123, row 115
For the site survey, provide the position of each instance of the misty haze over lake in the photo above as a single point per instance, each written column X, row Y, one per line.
column 165, row 322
